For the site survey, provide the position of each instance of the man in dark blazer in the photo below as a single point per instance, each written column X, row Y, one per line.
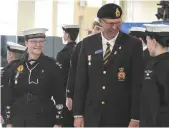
column 109, row 75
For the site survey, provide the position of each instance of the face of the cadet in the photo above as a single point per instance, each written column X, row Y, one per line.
column 96, row 29
column 110, row 26
column 9, row 56
column 151, row 45
column 35, row 46
column 65, row 37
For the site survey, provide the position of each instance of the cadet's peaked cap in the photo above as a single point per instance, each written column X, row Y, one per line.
column 137, row 29
column 34, row 33
column 110, row 11
column 14, row 47
column 157, row 27
column 72, row 30
column 160, row 32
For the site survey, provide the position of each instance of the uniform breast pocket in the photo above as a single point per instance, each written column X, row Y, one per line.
column 42, row 76
column 94, row 60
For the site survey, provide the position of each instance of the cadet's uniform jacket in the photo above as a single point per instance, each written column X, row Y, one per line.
column 63, row 57
column 6, row 74
column 155, row 93
column 109, row 95
column 73, row 70
column 32, row 86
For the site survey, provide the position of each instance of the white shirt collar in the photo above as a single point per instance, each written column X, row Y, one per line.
column 111, row 42
column 144, row 48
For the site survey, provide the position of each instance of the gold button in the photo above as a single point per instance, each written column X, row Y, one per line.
column 104, row 72
column 103, row 87
column 103, row 102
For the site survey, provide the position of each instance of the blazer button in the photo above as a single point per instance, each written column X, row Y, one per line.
column 104, row 72
column 103, row 102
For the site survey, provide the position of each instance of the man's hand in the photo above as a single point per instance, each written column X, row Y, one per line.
column 57, row 126
column 69, row 103
column 1, row 120
column 133, row 124
column 79, row 122
column 9, row 126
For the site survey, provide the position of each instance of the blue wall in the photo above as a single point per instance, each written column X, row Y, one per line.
column 126, row 26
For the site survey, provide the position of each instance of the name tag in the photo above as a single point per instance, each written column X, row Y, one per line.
column 99, row 51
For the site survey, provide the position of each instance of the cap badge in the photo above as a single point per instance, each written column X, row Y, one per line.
column 117, row 12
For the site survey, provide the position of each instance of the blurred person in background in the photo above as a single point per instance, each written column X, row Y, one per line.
column 70, row 35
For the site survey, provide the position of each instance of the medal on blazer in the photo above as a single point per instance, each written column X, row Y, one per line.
column 89, row 59
column 121, row 74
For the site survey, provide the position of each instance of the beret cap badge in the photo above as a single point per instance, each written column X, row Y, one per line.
column 117, row 12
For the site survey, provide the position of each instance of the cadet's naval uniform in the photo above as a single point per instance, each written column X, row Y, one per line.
column 155, row 92
column 31, row 87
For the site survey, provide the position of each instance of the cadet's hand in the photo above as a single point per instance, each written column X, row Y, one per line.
column 133, row 124
column 9, row 125
column 79, row 122
column 69, row 103
column 57, row 126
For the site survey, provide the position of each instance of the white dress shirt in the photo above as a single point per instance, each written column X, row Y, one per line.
column 105, row 41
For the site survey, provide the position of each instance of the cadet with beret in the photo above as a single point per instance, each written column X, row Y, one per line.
column 155, row 91
column 109, row 75
column 139, row 32
column 34, row 80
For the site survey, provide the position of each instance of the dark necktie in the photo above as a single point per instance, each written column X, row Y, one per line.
column 107, row 54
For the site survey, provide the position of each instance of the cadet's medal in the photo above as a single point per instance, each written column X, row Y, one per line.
column 19, row 69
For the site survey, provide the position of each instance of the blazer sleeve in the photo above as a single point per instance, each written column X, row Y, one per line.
column 72, row 71
column 58, row 92
column 137, row 73
column 81, row 82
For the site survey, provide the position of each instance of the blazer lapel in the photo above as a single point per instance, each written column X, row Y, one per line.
column 98, row 48
column 118, row 47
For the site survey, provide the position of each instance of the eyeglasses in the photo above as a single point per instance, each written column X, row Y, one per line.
column 34, row 42
column 112, row 23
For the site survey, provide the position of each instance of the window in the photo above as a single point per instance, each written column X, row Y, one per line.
column 65, row 14
column 130, row 8
column 43, row 15
column 8, row 17
column 94, row 3
column 113, row 1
